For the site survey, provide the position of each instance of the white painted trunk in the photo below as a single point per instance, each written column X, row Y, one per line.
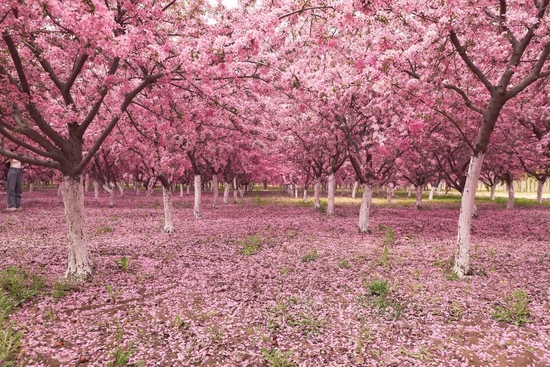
column 198, row 195
column 181, row 190
column 354, row 191
column 540, row 187
column 511, row 195
column 188, row 189
column 295, row 191
column 136, row 185
column 168, row 209
column 462, row 254
column 389, row 193
column 364, row 211
column 216, row 191
column 78, row 264
column 304, row 197
column 419, row 197
column 493, row 189
column 439, row 188
column 331, row 191
column 316, row 189
column 86, row 183
column 226, row 192
column 120, row 189
column 96, row 191
column 432, row 192
column 31, row 187
column 110, row 190
column 235, row 188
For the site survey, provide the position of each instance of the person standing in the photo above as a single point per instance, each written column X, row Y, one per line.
column 15, row 185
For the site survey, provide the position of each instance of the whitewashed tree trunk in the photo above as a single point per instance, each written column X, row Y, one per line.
column 540, row 187
column 354, row 191
column 181, row 190
column 389, row 193
column 110, row 190
column 168, row 209
column 295, row 191
column 96, row 191
column 86, row 182
column 31, row 187
column 409, row 191
column 316, row 189
column 304, row 196
column 226, row 192
column 136, row 185
column 188, row 189
column 439, row 188
column 493, row 189
column 364, row 211
column 331, row 191
column 462, row 254
column 511, row 195
column 120, row 189
column 419, row 197
column 79, row 264
column 198, row 195
column 215, row 190
column 432, row 192
column 235, row 188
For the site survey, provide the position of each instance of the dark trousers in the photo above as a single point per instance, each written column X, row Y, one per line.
column 14, row 187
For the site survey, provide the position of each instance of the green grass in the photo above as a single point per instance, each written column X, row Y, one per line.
column 20, row 285
column 250, row 245
column 514, row 309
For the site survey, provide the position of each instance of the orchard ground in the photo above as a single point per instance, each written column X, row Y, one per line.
column 270, row 281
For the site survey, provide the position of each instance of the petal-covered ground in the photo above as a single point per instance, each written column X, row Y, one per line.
column 268, row 280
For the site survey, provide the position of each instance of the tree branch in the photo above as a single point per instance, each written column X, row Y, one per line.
column 467, row 101
column 473, row 68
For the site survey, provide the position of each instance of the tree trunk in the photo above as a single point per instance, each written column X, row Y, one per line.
column 79, row 265
column 235, row 188
column 226, row 192
column 86, row 182
column 511, row 195
column 439, row 188
column 198, row 195
column 331, row 190
column 432, row 192
column 31, row 187
column 215, row 190
column 110, row 190
column 295, row 191
column 540, row 187
column 304, row 197
column 462, row 254
column 389, row 193
column 181, row 190
column 419, row 196
column 120, row 189
column 168, row 209
column 137, row 188
column 354, row 190
column 316, row 189
column 493, row 189
column 364, row 211
column 96, row 191
column 188, row 189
